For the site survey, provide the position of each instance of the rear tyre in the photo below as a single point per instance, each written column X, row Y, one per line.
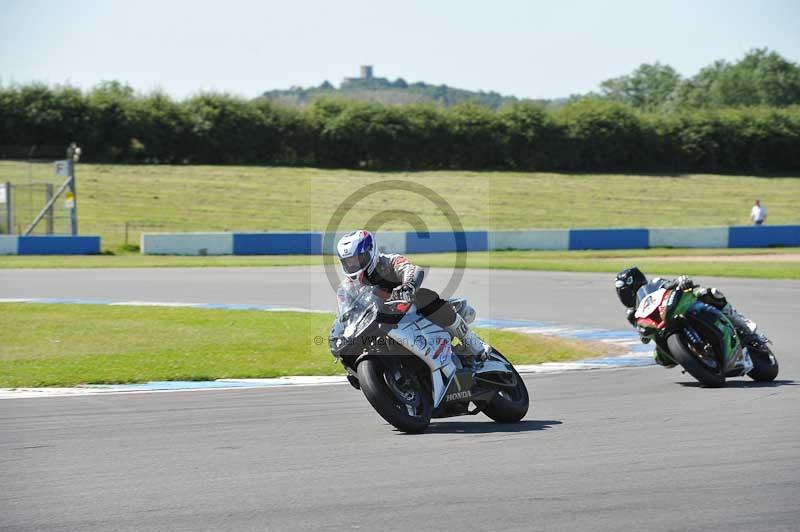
column 510, row 404
column 683, row 356
column 396, row 394
column 765, row 365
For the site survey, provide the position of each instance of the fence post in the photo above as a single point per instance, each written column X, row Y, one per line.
column 9, row 210
column 73, row 152
column 48, row 196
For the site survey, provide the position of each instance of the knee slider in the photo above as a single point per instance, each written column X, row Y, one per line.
column 467, row 313
column 712, row 296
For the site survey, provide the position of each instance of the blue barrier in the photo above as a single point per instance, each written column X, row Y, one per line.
column 608, row 238
column 277, row 243
column 58, row 245
column 310, row 243
column 444, row 241
column 762, row 236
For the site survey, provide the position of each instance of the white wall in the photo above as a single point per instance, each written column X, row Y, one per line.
column 689, row 237
column 8, row 244
column 187, row 244
column 557, row 239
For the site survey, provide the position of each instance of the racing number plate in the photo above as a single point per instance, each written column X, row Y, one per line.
column 650, row 303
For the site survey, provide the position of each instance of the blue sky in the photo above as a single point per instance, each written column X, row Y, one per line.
column 530, row 49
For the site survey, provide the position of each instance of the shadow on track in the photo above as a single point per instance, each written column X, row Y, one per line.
column 743, row 384
column 487, row 427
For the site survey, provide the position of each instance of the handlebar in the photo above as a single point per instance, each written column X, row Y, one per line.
column 397, row 302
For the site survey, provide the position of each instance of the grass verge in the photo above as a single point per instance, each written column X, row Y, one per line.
column 66, row 345
column 766, row 263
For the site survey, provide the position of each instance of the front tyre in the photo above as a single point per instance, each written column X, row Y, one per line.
column 510, row 404
column 680, row 351
column 765, row 365
column 396, row 394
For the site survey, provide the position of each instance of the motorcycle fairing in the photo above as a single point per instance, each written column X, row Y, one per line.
column 430, row 343
column 712, row 321
column 650, row 303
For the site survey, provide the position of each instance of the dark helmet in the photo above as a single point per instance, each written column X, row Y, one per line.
column 627, row 284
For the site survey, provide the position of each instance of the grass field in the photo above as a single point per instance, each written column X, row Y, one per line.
column 773, row 263
column 64, row 345
column 226, row 198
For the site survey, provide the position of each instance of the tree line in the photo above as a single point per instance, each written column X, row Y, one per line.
column 397, row 92
column 114, row 124
column 761, row 77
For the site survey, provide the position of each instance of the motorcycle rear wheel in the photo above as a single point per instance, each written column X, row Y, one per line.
column 509, row 405
column 683, row 356
column 410, row 413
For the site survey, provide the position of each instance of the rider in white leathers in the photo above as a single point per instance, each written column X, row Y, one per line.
column 362, row 263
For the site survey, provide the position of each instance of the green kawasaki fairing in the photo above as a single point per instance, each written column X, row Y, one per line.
column 689, row 305
column 684, row 306
column 700, row 337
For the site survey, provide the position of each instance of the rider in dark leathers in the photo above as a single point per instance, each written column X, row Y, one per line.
column 630, row 280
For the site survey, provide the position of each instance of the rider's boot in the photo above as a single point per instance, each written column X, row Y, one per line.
column 744, row 327
column 476, row 348
column 746, row 330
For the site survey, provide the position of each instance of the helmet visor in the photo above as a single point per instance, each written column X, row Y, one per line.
column 356, row 263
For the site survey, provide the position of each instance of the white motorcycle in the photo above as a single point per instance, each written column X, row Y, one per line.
column 410, row 372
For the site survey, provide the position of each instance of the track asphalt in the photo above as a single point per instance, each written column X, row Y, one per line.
column 639, row 448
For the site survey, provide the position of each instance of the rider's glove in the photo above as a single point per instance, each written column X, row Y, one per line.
column 404, row 292
column 684, row 282
column 631, row 315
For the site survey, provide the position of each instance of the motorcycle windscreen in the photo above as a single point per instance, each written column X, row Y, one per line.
column 360, row 309
column 649, row 288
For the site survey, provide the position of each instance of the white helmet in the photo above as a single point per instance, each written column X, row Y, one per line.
column 357, row 253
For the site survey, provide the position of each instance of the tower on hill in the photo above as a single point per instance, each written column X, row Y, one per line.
column 366, row 76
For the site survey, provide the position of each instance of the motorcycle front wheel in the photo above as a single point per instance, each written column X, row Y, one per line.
column 396, row 393
column 680, row 351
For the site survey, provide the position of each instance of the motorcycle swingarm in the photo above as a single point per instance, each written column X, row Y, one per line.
column 496, row 373
column 442, row 412
column 488, row 380
column 451, row 408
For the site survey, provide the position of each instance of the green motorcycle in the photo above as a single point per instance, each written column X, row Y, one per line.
column 700, row 337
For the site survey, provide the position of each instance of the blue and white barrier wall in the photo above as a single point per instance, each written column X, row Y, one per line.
column 312, row 243
column 49, row 245
column 288, row 243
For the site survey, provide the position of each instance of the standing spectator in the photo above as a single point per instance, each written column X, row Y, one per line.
column 758, row 214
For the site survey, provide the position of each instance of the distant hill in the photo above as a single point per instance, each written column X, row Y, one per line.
column 398, row 92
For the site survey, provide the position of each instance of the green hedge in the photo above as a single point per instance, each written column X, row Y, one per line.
column 113, row 124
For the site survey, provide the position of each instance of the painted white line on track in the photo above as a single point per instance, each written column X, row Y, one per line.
column 170, row 386
column 151, row 304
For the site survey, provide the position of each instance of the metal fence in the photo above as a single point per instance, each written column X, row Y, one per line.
column 28, row 182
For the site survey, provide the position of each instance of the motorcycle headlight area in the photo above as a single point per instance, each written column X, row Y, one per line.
column 356, row 326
